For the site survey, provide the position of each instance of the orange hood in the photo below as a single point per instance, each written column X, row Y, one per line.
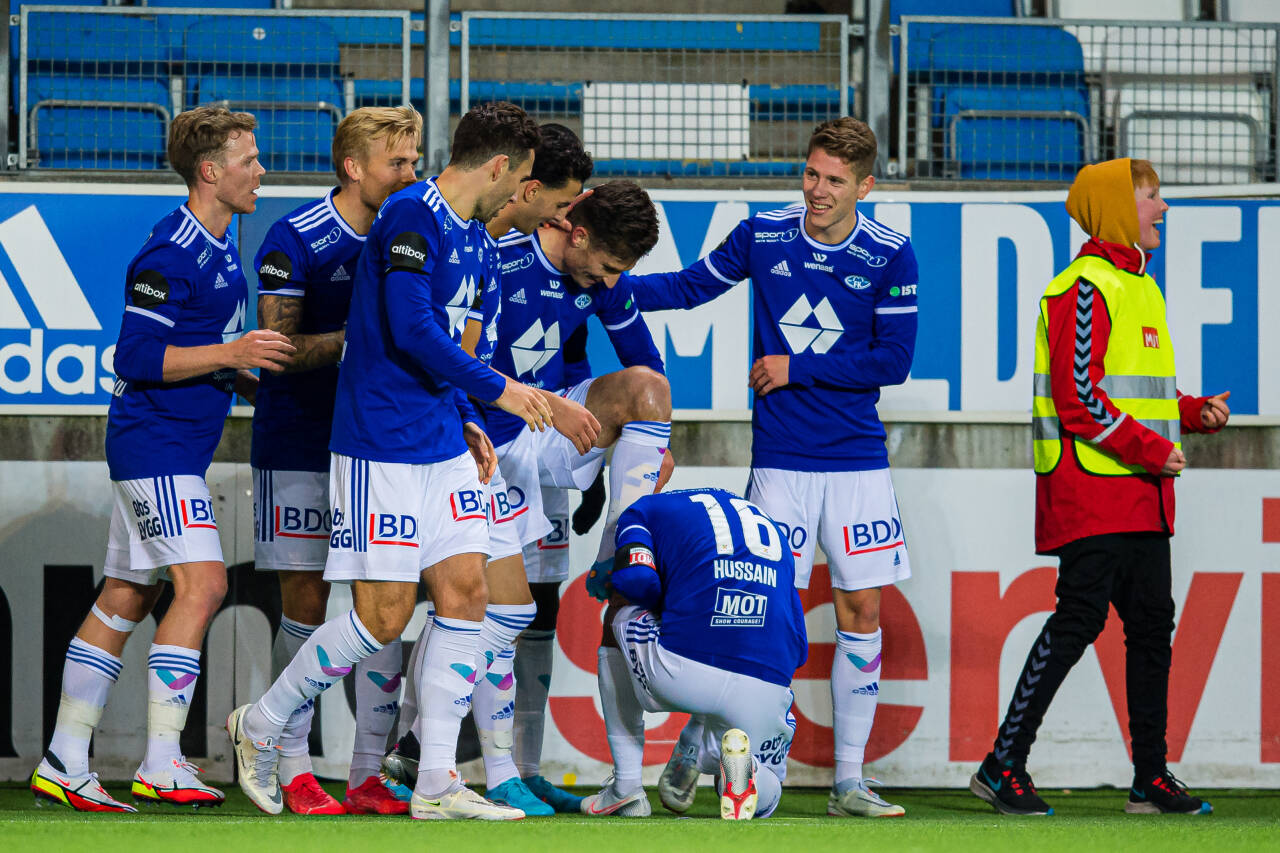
column 1101, row 201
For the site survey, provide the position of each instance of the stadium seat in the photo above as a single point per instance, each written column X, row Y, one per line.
column 1003, row 101
column 79, row 123
column 1130, row 10
column 282, row 69
column 98, row 91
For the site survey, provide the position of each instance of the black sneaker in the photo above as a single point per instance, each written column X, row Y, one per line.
column 1163, row 793
column 400, row 765
column 1009, row 789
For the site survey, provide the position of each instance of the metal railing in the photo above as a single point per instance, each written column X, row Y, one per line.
column 97, row 86
column 667, row 95
column 1035, row 99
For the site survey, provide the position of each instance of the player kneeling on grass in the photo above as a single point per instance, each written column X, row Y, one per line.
column 704, row 619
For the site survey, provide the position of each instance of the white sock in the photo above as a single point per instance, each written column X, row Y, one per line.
column 444, row 698
column 493, row 702
column 377, row 701
column 327, row 655
column 171, row 681
column 409, row 696
column 768, row 790
column 87, row 676
column 633, row 472
column 295, row 752
column 623, row 718
column 855, row 688
column 535, row 651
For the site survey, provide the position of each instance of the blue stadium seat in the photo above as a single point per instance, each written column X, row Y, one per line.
column 296, row 116
column 283, row 70
column 1005, row 101
column 86, row 123
column 212, row 4
column 98, row 92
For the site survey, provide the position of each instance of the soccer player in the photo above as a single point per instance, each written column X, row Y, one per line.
column 705, row 619
column 305, row 266
column 560, row 166
column 834, row 311
column 552, row 281
column 182, row 351
column 409, row 462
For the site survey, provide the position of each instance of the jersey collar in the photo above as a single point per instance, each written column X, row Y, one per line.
column 337, row 217
column 537, row 252
column 828, row 247
column 221, row 244
column 433, row 190
column 1128, row 258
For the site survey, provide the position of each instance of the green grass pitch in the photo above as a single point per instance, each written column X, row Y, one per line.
column 936, row 820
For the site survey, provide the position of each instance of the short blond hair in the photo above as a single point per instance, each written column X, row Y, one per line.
column 1143, row 174
column 366, row 124
column 202, row 134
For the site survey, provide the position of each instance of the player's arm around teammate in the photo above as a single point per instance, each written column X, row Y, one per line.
column 407, row 501
column 179, row 356
column 305, row 269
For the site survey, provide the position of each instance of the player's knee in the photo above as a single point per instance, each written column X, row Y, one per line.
column 385, row 619
column 649, row 394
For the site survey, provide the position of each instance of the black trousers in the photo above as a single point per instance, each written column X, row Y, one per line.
column 1132, row 572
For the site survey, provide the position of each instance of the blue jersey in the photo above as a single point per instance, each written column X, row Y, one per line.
column 541, row 308
column 728, row 595
column 403, row 374
column 184, row 288
column 309, row 254
column 845, row 314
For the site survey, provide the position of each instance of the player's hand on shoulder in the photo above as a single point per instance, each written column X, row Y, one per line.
column 574, row 422
column 769, row 373
column 481, row 450
column 260, row 348
column 528, row 404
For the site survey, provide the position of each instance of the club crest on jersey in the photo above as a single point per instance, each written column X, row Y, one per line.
column 582, row 302
column 738, row 609
column 466, row 504
column 387, row 528
column 857, row 282
column 198, row 512
column 869, row 537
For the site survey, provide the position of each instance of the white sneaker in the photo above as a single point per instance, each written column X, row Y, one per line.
column 608, row 801
column 82, row 793
column 460, row 803
column 256, row 763
column 861, row 801
column 678, row 784
column 737, row 775
column 176, row 784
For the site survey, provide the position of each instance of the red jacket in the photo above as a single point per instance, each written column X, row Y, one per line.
column 1071, row 503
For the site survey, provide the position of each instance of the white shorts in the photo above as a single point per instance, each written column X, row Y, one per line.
column 291, row 520
column 547, row 458
column 506, row 506
column 854, row 514
column 391, row 520
column 547, row 560
column 665, row 681
column 158, row 522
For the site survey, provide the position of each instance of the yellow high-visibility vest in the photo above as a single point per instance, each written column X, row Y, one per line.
column 1139, row 368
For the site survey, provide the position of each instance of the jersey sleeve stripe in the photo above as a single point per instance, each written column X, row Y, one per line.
column 134, row 309
column 284, row 291
column 883, row 235
column 715, row 272
column 624, row 323
column 898, row 309
column 639, row 527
